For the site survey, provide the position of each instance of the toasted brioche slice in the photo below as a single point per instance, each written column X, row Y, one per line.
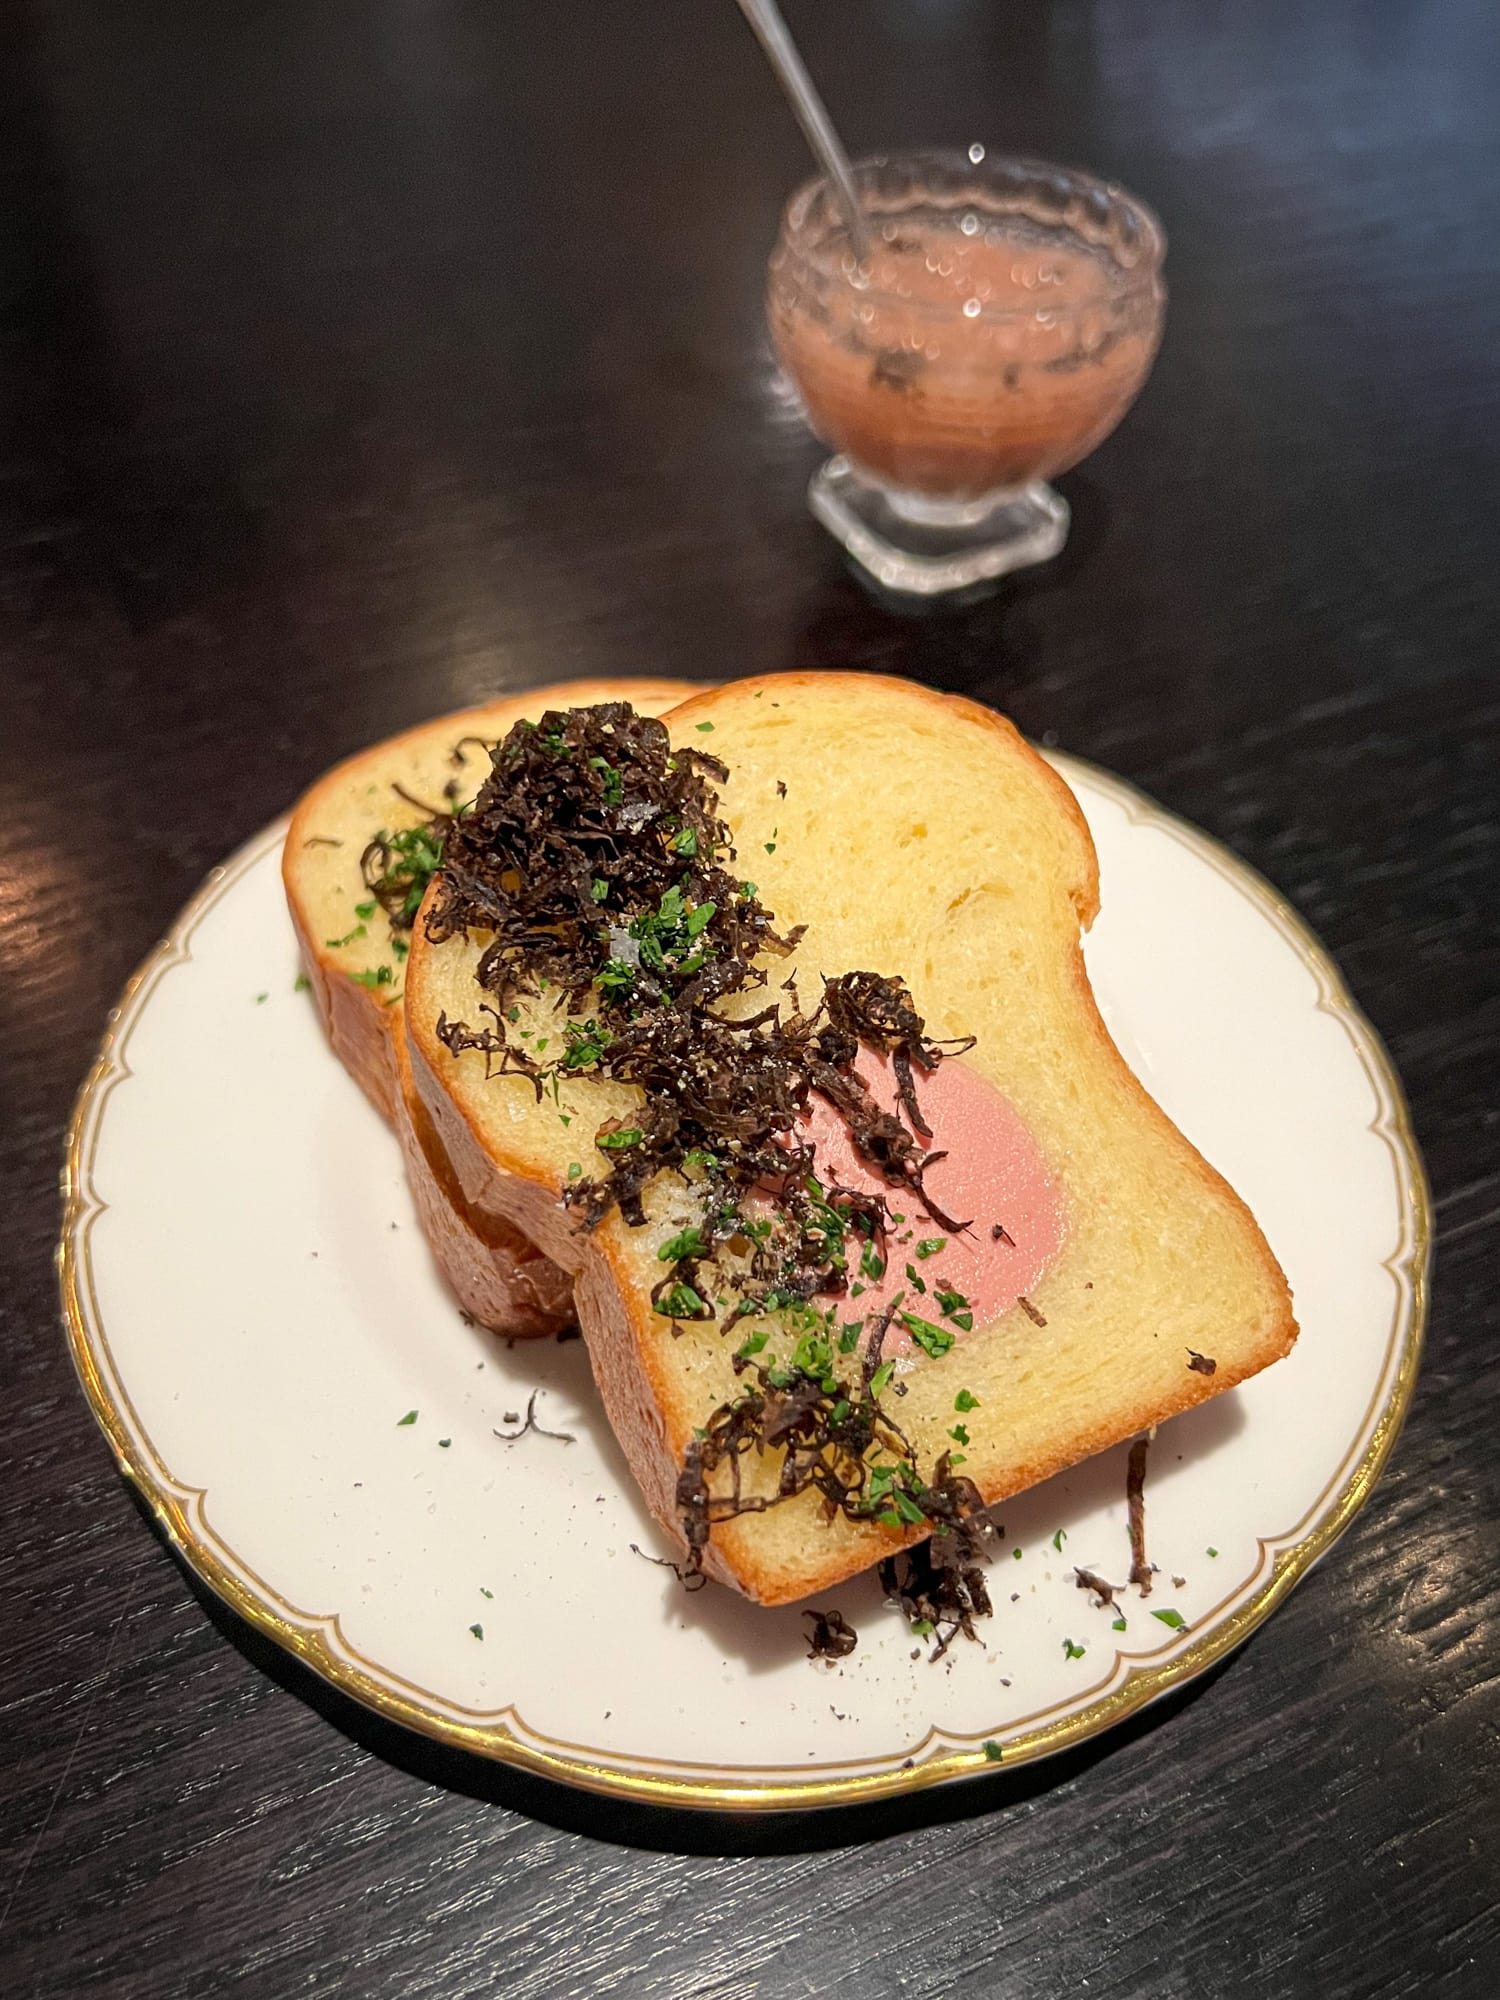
column 497, row 1275
column 351, row 956
column 347, row 942
column 919, row 835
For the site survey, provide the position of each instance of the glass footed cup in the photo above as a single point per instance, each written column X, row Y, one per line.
column 1005, row 321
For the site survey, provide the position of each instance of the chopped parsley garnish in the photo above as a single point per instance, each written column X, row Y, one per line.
column 1059, row 1538
column 965, row 1401
column 444, row 1443
column 301, row 984
column 409, row 1418
column 914, row 1279
column 349, row 937
column 614, row 784
column 381, row 976
column 992, row 1751
column 486, row 1593
column 813, row 1356
column 586, row 1044
column 667, row 938
column 574, row 1170
column 954, row 1306
column 1072, row 1652
column 1213, row 1552
column 686, row 1243
column 704, row 728
column 871, row 1263
column 680, row 1301
column 930, row 1246
column 959, row 1434
column 397, row 867
column 753, row 1343
column 619, row 1141
column 364, row 911
column 1117, row 1625
column 599, row 889
column 686, row 842
column 890, row 1493
column 1173, row 1618
column 880, row 1381
column 477, row 1630
column 933, row 1340
column 261, row 999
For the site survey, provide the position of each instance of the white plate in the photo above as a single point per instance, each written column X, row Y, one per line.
column 252, row 1311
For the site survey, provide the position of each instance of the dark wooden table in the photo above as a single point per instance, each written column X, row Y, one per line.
column 356, row 359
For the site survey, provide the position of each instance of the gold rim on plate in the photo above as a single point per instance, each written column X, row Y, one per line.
column 318, row 1641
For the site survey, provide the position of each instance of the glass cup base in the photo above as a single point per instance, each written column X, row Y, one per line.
column 927, row 548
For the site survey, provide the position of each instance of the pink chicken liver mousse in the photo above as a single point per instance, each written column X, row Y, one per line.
column 994, row 1177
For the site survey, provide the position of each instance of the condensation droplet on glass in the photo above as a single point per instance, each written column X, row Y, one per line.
column 976, row 153
column 971, row 308
column 969, row 223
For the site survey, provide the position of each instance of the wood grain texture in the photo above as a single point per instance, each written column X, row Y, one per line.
column 356, row 361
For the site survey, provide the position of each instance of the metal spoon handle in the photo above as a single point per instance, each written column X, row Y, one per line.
column 781, row 51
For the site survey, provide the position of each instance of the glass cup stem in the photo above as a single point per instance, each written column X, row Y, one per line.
column 934, row 547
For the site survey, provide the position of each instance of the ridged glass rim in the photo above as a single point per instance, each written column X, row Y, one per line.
column 823, row 270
